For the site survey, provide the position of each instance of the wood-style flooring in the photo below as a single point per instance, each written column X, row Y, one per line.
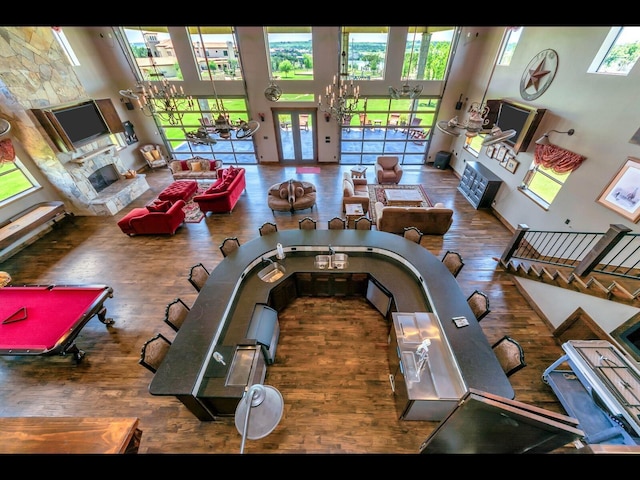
column 331, row 364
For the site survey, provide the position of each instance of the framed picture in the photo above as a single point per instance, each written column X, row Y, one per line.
column 501, row 152
column 507, row 156
column 622, row 194
column 490, row 150
column 512, row 164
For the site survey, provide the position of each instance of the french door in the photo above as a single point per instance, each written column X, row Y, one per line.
column 296, row 135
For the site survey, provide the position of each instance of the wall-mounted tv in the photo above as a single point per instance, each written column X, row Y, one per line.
column 74, row 125
column 82, row 123
column 524, row 119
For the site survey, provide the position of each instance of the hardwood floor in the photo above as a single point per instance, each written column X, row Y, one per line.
column 331, row 363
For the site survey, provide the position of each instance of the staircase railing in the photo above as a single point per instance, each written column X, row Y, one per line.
column 615, row 252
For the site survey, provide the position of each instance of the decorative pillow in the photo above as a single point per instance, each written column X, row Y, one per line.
column 148, row 156
column 162, row 206
column 196, row 166
column 155, row 154
column 299, row 192
column 347, row 189
column 439, row 205
column 216, row 189
column 284, row 192
column 184, row 165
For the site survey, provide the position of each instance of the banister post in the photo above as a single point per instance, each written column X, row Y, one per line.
column 513, row 245
column 609, row 240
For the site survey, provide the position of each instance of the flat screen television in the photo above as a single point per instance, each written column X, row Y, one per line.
column 522, row 118
column 82, row 123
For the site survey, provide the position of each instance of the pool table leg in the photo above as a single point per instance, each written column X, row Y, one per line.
column 102, row 316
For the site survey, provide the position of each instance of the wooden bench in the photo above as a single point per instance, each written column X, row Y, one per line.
column 29, row 220
column 76, row 435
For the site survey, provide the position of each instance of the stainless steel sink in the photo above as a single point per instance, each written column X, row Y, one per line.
column 337, row 261
column 272, row 273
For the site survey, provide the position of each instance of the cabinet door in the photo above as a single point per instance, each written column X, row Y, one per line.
column 304, row 282
column 283, row 293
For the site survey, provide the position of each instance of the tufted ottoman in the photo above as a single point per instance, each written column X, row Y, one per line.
column 181, row 190
column 291, row 196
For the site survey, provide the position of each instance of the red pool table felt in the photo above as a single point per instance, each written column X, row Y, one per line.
column 55, row 314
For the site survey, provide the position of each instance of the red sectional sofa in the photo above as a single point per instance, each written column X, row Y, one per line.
column 223, row 195
column 160, row 217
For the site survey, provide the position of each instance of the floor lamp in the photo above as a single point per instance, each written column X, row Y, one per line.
column 263, row 405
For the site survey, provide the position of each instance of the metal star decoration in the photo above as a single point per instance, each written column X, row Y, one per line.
column 537, row 74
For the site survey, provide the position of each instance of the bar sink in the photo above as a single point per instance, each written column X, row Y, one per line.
column 272, row 273
column 337, row 261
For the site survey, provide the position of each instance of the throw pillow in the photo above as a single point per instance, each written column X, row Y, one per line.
column 162, row 206
column 155, row 154
column 184, row 165
column 196, row 167
column 215, row 189
column 148, row 156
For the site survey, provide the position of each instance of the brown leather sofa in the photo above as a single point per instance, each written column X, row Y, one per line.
column 291, row 195
column 434, row 220
column 354, row 190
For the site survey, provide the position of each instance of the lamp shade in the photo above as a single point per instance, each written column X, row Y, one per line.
column 543, row 140
column 258, row 412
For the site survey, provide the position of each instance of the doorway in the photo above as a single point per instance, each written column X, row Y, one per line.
column 296, row 135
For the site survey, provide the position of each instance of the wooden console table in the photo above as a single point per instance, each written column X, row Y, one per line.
column 77, row 435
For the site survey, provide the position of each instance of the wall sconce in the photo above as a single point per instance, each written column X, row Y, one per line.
column 544, row 139
column 327, row 117
column 261, row 115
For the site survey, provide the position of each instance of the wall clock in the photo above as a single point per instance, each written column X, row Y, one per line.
column 539, row 74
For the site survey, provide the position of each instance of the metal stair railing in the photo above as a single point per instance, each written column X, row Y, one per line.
column 615, row 252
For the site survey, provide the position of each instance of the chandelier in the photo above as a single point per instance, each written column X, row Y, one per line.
column 340, row 100
column 406, row 90
column 475, row 124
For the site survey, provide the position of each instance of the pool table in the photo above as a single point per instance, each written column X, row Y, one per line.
column 46, row 319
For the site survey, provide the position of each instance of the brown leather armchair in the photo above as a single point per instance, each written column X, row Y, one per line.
column 388, row 169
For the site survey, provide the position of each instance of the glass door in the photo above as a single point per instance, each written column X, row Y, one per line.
column 296, row 135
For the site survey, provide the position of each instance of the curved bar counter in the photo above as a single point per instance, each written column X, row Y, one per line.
column 220, row 316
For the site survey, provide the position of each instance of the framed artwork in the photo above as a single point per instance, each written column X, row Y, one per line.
column 512, row 164
column 490, row 150
column 622, row 193
column 501, row 152
column 503, row 162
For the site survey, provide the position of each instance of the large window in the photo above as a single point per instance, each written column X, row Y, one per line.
column 509, row 44
column 619, row 52
column 365, row 51
column 385, row 126
column 15, row 181
column 153, row 53
column 427, row 51
column 290, row 53
column 215, row 51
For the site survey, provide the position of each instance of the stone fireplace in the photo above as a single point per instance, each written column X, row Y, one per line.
column 95, row 180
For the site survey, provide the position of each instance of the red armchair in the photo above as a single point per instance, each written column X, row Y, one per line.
column 223, row 195
column 160, row 217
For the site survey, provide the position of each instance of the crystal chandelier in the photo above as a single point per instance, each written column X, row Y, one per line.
column 340, row 100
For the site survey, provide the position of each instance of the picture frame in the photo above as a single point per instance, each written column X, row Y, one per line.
column 507, row 156
column 502, row 151
column 512, row 164
column 490, row 151
column 622, row 193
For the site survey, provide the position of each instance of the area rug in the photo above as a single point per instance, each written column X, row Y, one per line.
column 307, row 169
column 376, row 194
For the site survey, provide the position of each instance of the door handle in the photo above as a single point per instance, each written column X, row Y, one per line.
column 392, row 382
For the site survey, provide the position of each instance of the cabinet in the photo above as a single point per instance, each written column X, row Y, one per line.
column 479, row 185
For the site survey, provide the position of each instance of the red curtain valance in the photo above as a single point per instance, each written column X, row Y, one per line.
column 557, row 159
column 7, row 152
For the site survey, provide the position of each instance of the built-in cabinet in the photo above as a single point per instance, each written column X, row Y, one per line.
column 479, row 185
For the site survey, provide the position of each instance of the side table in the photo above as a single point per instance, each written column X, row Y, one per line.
column 353, row 212
column 359, row 172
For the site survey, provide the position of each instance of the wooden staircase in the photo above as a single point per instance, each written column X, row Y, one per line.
column 607, row 287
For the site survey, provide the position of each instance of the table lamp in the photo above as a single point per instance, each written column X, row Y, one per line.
column 266, row 405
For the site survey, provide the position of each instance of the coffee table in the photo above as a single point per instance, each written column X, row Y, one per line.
column 402, row 197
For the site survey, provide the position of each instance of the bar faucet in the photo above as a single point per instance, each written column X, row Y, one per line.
column 331, row 250
column 268, row 260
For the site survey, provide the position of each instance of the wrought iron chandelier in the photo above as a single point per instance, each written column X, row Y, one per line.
column 340, row 100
